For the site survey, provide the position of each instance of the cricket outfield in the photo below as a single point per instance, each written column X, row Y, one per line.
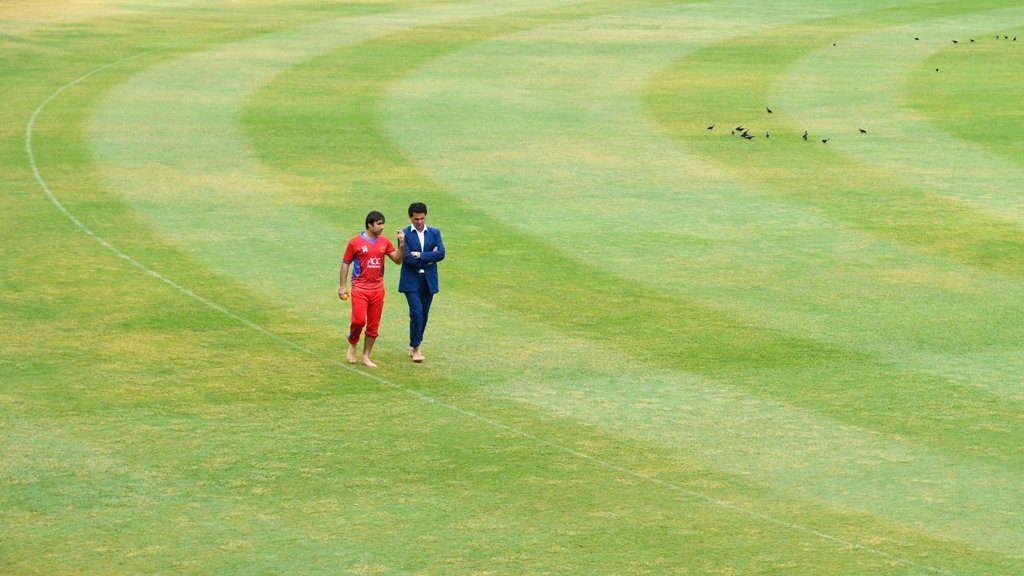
column 731, row 287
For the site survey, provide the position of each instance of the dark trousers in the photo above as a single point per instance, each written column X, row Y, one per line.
column 419, row 311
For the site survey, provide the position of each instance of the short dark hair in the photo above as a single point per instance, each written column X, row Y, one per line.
column 417, row 208
column 374, row 217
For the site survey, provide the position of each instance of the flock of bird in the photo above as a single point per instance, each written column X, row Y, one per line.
column 745, row 132
column 746, row 135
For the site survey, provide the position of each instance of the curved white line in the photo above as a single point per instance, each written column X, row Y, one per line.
column 723, row 504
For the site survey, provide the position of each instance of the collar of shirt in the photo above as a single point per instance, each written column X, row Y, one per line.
column 422, row 235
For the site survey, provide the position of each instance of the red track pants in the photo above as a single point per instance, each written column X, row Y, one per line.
column 367, row 308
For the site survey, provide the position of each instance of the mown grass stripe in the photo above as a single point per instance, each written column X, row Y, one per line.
column 868, row 198
column 902, row 142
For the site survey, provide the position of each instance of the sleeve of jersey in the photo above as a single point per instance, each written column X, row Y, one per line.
column 350, row 253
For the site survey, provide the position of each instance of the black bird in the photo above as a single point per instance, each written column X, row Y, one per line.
column 712, row 127
column 740, row 128
column 825, row 141
column 917, row 37
column 748, row 136
column 767, row 135
column 863, row 131
column 805, row 135
column 768, row 109
column 972, row 39
column 745, row 133
column 955, row 42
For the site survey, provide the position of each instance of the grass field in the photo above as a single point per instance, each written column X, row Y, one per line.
column 659, row 347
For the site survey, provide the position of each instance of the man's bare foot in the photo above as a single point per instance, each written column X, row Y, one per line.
column 351, row 354
column 368, row 363
column 417, row 356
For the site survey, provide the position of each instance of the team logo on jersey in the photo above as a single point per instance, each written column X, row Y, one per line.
column 364, row 249
column 374, row 263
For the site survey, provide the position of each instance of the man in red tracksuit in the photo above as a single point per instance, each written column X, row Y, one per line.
column 365, row 254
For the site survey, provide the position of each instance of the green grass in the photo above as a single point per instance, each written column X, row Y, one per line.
column 658, row 349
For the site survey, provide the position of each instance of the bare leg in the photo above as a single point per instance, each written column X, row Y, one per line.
column 351, row 353
column 367, row 347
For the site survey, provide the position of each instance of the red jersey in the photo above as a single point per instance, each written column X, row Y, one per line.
column 368, row 255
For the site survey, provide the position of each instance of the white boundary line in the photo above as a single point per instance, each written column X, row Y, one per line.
column 725, row 505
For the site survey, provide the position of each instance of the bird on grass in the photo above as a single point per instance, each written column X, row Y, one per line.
column 712, row 127
column 805, row 135
column 768, row 109
column 863, row 131
column 825, row 140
